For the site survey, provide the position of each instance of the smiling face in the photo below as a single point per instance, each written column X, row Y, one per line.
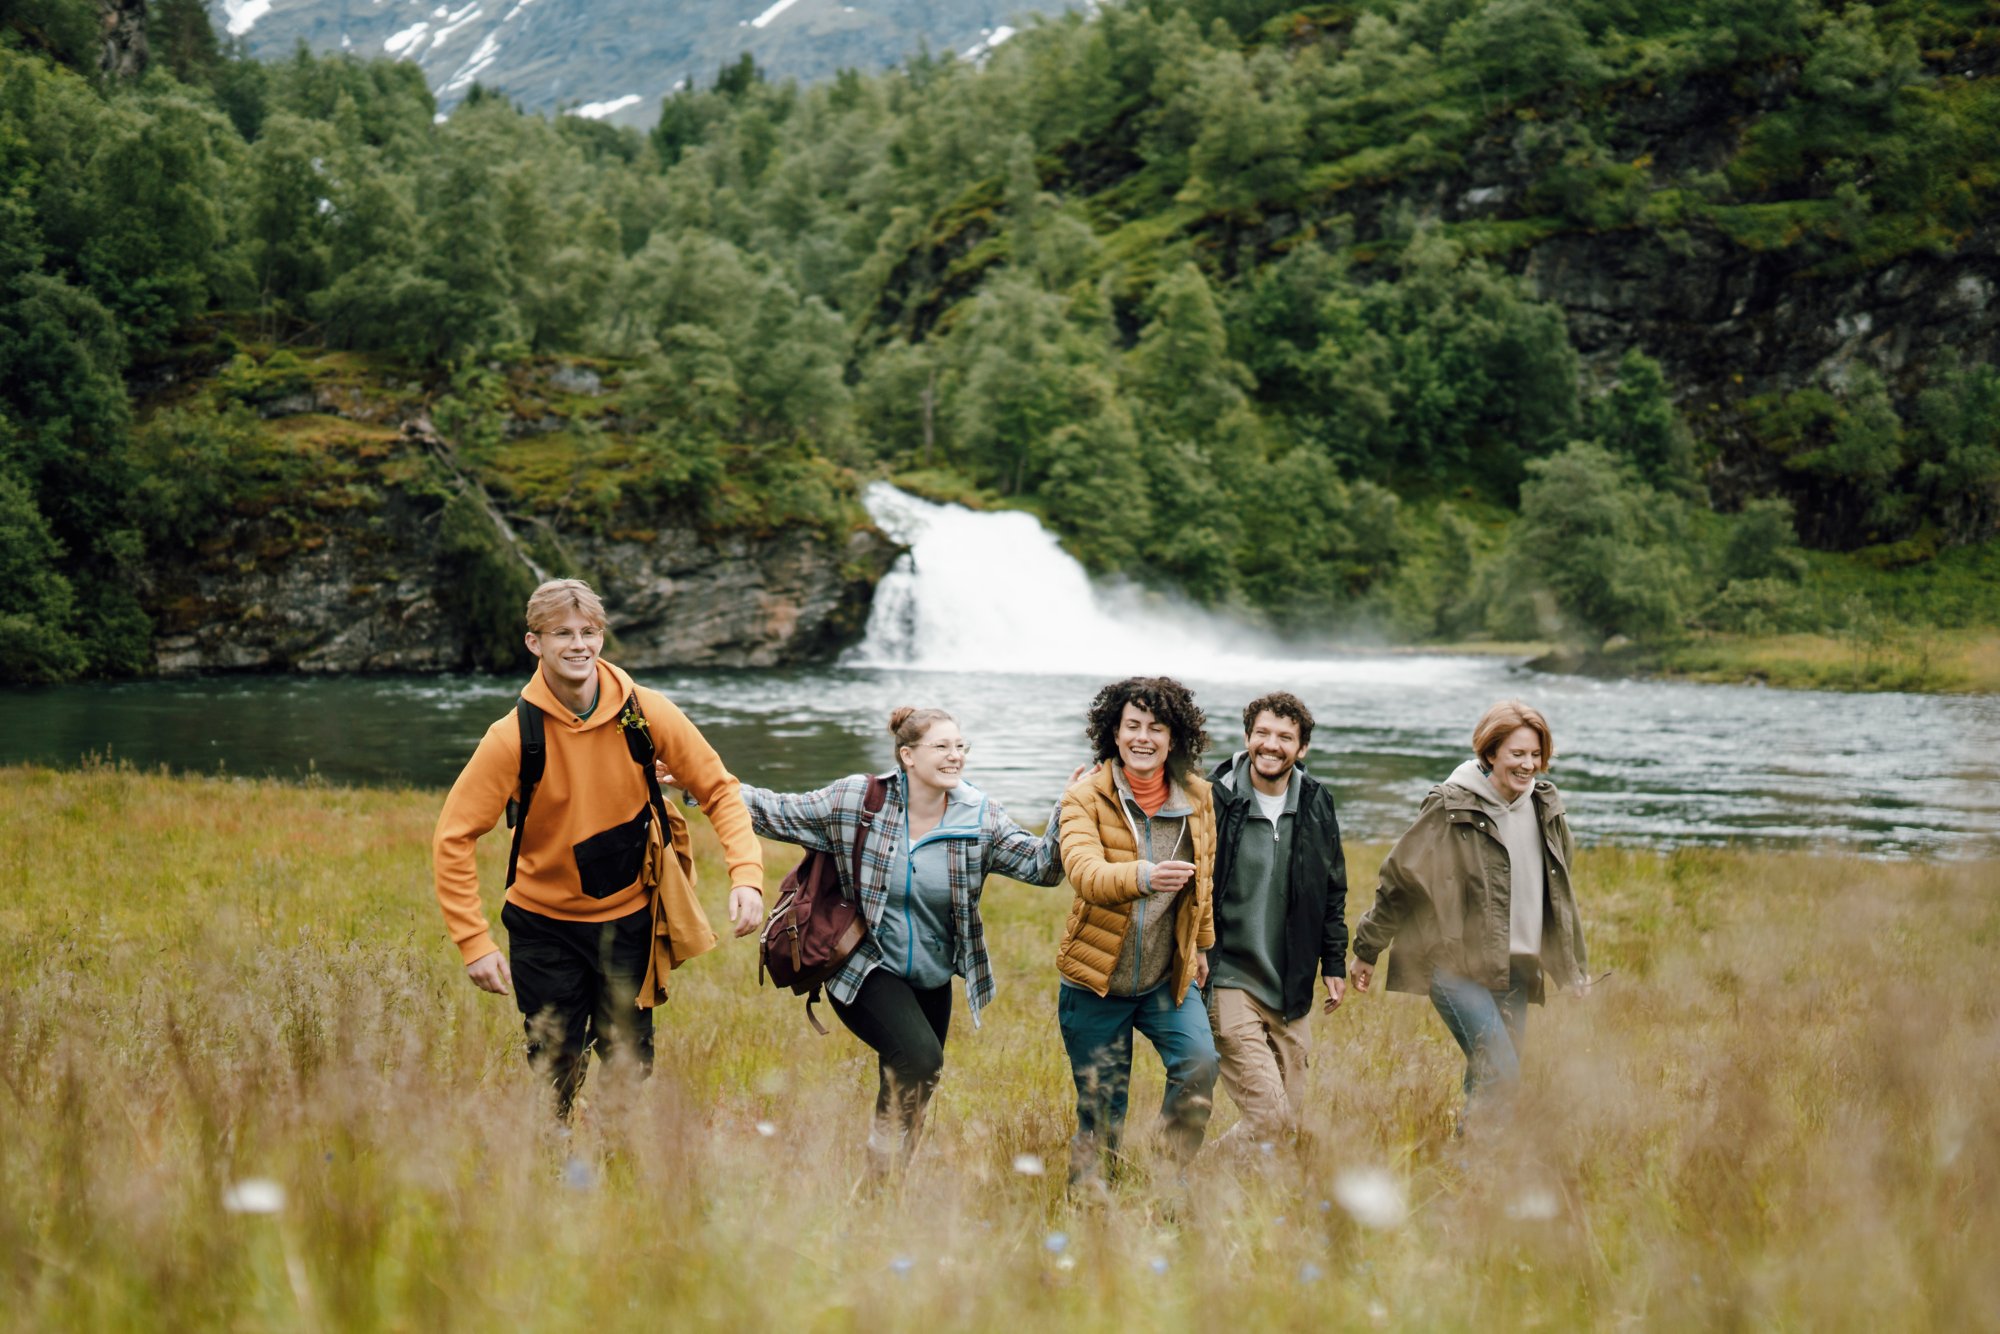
column 1515, row 761
column 1144, row 742
column 938, row 757
column 1274, row 748
column 568, row 647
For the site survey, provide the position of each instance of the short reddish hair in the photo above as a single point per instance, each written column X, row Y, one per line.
column 1500, row 722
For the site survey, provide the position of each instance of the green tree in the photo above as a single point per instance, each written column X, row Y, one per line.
column 1519, row 48
column 1016, row 382
column 1852, row 461
column 1609, row 550
column 1635, row 418
column 183, row 40
column 287, row 211
column 1955, row 440
column 1246, row 157
column 1181, row 367
column 1448, row 372
column 38, row 639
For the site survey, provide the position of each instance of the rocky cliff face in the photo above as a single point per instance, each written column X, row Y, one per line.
column 375, row 594
column 422, row 569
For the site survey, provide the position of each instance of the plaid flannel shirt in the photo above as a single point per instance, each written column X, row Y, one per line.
column 828, row 819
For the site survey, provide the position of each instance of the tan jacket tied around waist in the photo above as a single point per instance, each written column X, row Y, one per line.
column 1100, row 855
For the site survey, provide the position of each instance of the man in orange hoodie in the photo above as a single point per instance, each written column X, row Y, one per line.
column 581, row 925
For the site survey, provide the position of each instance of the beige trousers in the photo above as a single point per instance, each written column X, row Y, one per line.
column 1263, row 1061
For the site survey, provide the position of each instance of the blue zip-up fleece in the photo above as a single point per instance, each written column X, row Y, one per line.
column 917, row 939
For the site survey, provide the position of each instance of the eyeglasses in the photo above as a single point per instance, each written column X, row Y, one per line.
column 947, row 747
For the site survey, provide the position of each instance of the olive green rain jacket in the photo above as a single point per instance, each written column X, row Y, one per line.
column 1446, row 897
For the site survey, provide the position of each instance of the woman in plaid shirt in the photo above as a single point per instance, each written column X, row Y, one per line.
column 924, row 860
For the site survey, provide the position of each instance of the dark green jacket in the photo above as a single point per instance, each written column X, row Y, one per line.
column 1315, row 890
column 1446, row 897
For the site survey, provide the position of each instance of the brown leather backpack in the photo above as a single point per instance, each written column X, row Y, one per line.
column 814, row 927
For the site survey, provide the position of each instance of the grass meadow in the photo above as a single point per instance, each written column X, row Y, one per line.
column 1781, row 1110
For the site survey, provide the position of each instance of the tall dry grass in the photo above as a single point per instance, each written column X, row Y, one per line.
column 1782, row 1110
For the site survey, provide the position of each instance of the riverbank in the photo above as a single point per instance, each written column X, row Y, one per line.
column 1915, row 660
column 1764, row 1116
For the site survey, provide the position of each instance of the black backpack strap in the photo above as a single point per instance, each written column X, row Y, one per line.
column 639, row 743
column 534, row 760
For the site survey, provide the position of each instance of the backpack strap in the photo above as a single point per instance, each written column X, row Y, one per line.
column 534, row 760
column 871, row 805
column 639, row 743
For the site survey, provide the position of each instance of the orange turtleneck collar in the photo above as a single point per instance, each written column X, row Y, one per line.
column 1150, row 795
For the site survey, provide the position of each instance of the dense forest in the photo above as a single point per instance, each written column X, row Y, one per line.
column 1236, row 294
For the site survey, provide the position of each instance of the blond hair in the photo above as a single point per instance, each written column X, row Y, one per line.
column 1500, row 722
column 556, row 598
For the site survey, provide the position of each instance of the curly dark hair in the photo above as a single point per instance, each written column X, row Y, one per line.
column 1163, row 697
column 1284, row 705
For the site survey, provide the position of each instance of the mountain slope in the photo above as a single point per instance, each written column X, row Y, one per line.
column 615, row 59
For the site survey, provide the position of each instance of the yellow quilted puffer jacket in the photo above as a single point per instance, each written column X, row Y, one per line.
column 1100, row 855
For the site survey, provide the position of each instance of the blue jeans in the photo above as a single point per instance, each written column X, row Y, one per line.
column 1097, row 1034
column 1487, row 1025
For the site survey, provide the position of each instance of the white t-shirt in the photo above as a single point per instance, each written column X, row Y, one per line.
column 1272, row 807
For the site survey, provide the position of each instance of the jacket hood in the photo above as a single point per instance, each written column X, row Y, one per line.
column 613, row 685
column 1478, row 790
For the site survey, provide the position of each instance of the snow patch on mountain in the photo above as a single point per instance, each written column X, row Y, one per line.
column 407, row 39
column 984, row 46
column 599, row 110
column 471, row 69
column 243, row 14
column 763, row 20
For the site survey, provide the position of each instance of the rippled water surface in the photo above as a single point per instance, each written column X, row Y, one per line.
column 1640, row 762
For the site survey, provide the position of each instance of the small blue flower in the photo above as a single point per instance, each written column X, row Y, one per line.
column 577, row 1175
column 1159, row 1264
column 1056, row 1243
column 1309, row 1272
column 901, row 1266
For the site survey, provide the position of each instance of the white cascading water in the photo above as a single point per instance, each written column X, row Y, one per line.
column 993, row 591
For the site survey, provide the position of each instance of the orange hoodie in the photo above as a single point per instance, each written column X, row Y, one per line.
column 589, row 785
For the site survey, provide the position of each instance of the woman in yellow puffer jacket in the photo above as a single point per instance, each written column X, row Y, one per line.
column 1138, row 845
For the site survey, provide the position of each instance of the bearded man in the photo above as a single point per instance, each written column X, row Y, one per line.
column 1280, row 915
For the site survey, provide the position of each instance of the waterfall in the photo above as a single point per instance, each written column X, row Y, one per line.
column 993, row 591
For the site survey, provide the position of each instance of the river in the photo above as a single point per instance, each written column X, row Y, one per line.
column 989, row 618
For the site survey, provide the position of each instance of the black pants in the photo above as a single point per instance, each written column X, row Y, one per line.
column 906, row 1026
column 577, row 984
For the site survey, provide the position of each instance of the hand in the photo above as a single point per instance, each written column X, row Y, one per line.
column 489, row 972
column 746, row 908
column 1170, row 877
column 1336, row 992
column 1363, row 975
column 663, row 773
column 1082, row 771
column 1201, row 968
